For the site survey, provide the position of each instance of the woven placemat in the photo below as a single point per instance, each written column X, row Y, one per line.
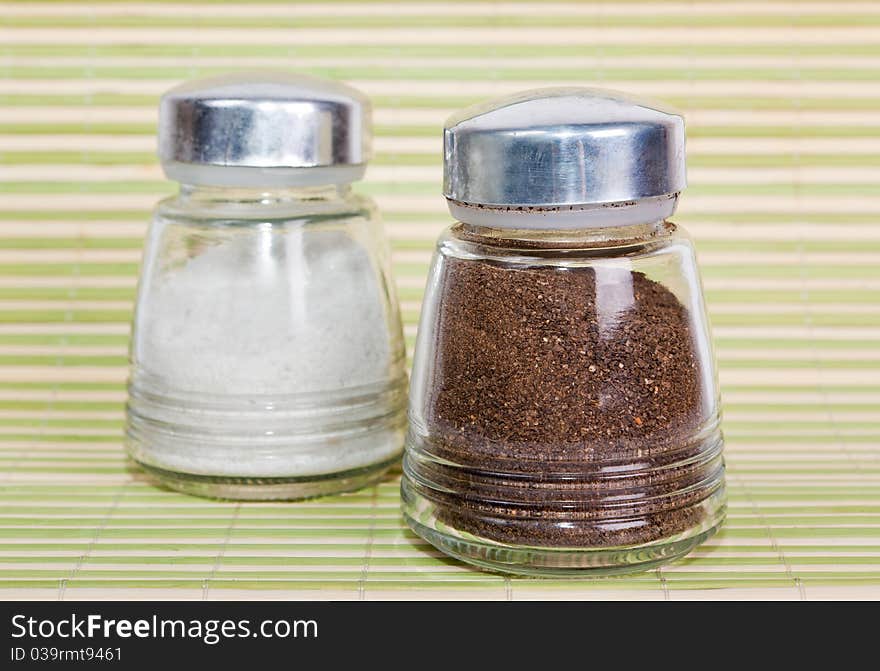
column 782, row 103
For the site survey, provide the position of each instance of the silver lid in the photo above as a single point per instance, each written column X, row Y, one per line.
column 563, row 146
column 264, row 120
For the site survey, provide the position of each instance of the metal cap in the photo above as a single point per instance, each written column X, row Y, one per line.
column 263, row 120
column 563, row 146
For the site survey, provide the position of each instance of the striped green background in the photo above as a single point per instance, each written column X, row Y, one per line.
column 782, row 101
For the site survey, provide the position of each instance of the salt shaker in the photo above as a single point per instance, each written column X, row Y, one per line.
column 564, row 409
column 267, row 356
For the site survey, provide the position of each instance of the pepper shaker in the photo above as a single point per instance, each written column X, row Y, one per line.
column 564, row 409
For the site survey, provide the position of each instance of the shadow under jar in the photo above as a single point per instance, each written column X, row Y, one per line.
column 267, row 356
column 564, row 409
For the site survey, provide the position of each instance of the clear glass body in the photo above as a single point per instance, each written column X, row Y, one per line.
column 564, row 410
column 267, row 355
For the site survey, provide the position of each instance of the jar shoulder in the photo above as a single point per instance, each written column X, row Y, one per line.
column 179, row 208
column 464, row 242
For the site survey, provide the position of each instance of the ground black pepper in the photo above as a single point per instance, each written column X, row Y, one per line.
column 565, row 408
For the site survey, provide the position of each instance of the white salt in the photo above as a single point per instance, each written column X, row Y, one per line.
column 268, row 314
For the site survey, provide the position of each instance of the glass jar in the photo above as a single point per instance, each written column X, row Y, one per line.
column 564, row 409
column 267, row 356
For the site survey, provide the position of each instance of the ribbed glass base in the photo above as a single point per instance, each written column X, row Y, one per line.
column 266, row 447
column 571, row 562
column 621, row 510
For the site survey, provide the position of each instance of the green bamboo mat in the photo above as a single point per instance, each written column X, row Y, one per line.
column 782, row 101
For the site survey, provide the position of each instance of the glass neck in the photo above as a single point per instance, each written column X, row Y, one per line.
column 191, row 194
column 610, row 236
